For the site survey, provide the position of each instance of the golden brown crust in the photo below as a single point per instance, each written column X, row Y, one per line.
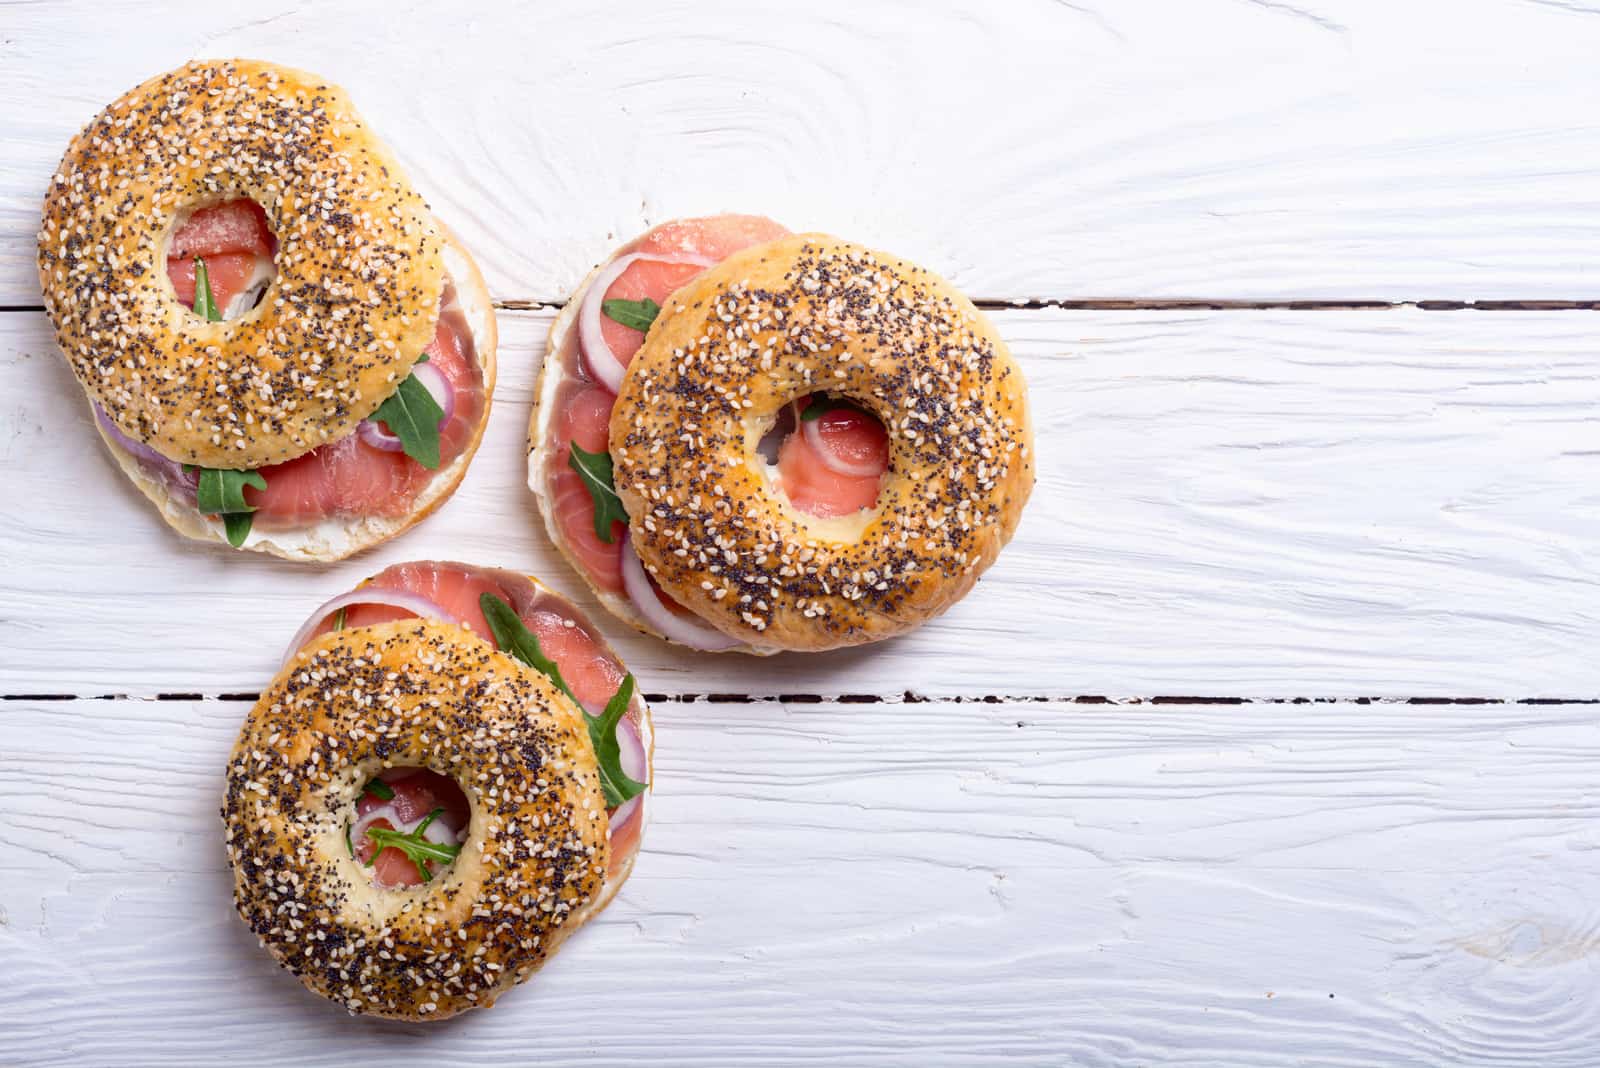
column 425, row 694
column 778, row 321
column 336, row 539
column 528, row 596
column 359, row 265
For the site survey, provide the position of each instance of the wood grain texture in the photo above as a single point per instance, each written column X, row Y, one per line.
column 1026, row 148
column 890, row 884
column 1255, row 504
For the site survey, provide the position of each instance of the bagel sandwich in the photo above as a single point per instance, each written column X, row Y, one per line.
column 755, row 441
column 445, row 780
column 280, row 345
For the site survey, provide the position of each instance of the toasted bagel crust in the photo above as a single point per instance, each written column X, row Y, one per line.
column 426, row 694
column 336, row 539
column 541, row 598
column 788, row 318
column 359, row 264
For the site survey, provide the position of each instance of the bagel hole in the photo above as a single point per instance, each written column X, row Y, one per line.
column 235, row 242
column 407, row 800
column 827, row 455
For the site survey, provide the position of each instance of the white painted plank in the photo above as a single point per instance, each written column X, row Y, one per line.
column 1136, row 148
column 1271, row 504
column 889, row 884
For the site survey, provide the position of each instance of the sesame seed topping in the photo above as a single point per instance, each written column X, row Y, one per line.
column 411, row 693
column 359, row 266
column 890, row 336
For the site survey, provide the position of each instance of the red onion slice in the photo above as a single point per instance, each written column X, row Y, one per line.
column 685, row 630
column 169, row 471
column 441, row 833
column 372, row 432
column 635, row 765
column 247, row 298
column 137, row 449
column 597, row 355
column 438, row 386
column 414, row 603
column 830, row 458
column 626, row 813
column 385, row 811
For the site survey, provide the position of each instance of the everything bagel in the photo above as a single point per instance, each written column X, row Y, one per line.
column 803, row 315
column 359, row 265
column 280, row 346
column 530, row 870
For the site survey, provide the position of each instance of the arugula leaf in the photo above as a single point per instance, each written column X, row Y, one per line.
column 614, row 782
column 512, row 636
column 379, row 789
column 414, row 417
column 236, row 527
column 595, row 470
column 815, row 410
column 638, row 314
column 221, row 492
column 204, row 305
column 417, row 849
column 338, row 619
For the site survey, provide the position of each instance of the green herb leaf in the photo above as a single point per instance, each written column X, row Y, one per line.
column 813, row 411
column 595, row 470
column 221, row 492
column 638, row 314
column 379, row 789
column 417, row 849
column 236, row 527
column 204, row 305
column 512, row 636
column 338, row 619
column 614, row 782
column 413, row 416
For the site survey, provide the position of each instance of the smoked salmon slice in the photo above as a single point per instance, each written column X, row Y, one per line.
column 816, row 490
column 586, row 665
column 586, row 415
column 232, row 238
column 714, row 239
column 457, row 590
column 586, row 420
column 351, row 478
column 855, row 441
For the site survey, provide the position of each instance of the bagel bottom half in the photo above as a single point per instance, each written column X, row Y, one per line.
column 560, row 361
column 337, row 538
column 428, row 694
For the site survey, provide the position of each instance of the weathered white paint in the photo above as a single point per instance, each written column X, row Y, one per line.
column 1258, row 504
column 890, row 884
column 1267, row 504
column 1026, row 148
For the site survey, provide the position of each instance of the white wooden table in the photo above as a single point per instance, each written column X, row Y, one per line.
column 1274, row 737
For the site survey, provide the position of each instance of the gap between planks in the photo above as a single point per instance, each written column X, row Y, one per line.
column 910, row 697
column 1139, row 304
